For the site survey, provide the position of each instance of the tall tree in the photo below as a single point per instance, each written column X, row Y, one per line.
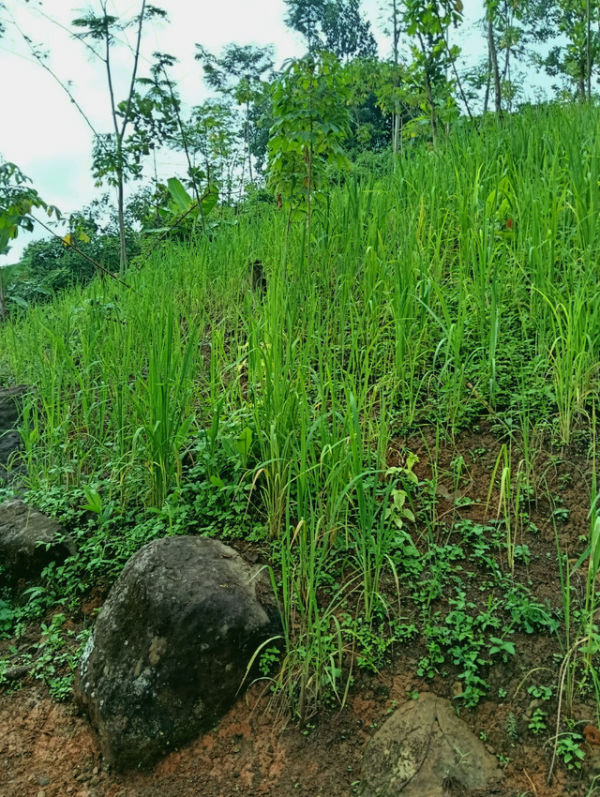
column 306, row 16
column 312, row 122
column 117, row 155
column 511, row 26
column 491, row 11
column 112, row 160
column 155, row 111
column 239, row 74
column 372, row 99
column 394, row 29
column 346, row 33
column 428, row 22
column 213, row 145
column 337, row 26
column 577, row 58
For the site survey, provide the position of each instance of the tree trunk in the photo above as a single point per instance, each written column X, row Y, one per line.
column 429, row 87
column 3, row 312
column 486, row 98
column 588, row 51
column 121, row 214
column 581, row 84
column 431, row 102
column 248, row 142
column 396, row 128
column 396, row 56
column 493, row 56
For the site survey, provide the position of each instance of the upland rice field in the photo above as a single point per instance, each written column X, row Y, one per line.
column 461, row 282
column 458, row 283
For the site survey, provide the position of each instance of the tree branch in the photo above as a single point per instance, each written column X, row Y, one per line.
column 91, row 260
column 135, row 67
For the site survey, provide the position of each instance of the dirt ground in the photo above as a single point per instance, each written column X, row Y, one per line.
column 48, row 750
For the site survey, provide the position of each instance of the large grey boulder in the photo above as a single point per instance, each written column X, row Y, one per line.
column 29, row 540
column 10, row 444
column 10, row 411
column 425, row 750
column 10, row 405
column 170, row 648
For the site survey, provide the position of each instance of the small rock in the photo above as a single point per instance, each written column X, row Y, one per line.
column 29, row 540
column 423, row 750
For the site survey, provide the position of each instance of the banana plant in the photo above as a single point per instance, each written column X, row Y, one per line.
column 181, row 214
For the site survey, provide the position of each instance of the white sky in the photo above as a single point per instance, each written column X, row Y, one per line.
column 43, row 133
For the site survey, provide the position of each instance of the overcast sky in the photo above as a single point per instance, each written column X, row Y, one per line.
column 43, row 133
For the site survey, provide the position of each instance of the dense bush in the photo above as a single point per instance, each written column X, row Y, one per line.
column 50, row 265
column 65, row 266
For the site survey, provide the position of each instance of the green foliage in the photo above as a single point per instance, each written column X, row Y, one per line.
column 370, row 87
column 577, row 57
column 211, row 137
column 375, row 643
column 537, row 722
column 138, row 122
column 311, row 123
column 540, row 692
column 428, row 22
column 217, row 487
column 333, row 25
column 181, row 216
column 239, row 75
column 17, row 202
column 239, row 70
column 569, row 750
column 6, row 617
column 53, row 659
column 468, row 634
column 52, row 265
column 405, row 475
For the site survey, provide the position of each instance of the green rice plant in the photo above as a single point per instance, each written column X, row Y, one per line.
column 586, row 633
column 273, row 477
column 513, row 492
column 163, row 404
column 573, row 358
column 370, row 534
column 311, row 668
column 505, row 500
column 582, row 640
